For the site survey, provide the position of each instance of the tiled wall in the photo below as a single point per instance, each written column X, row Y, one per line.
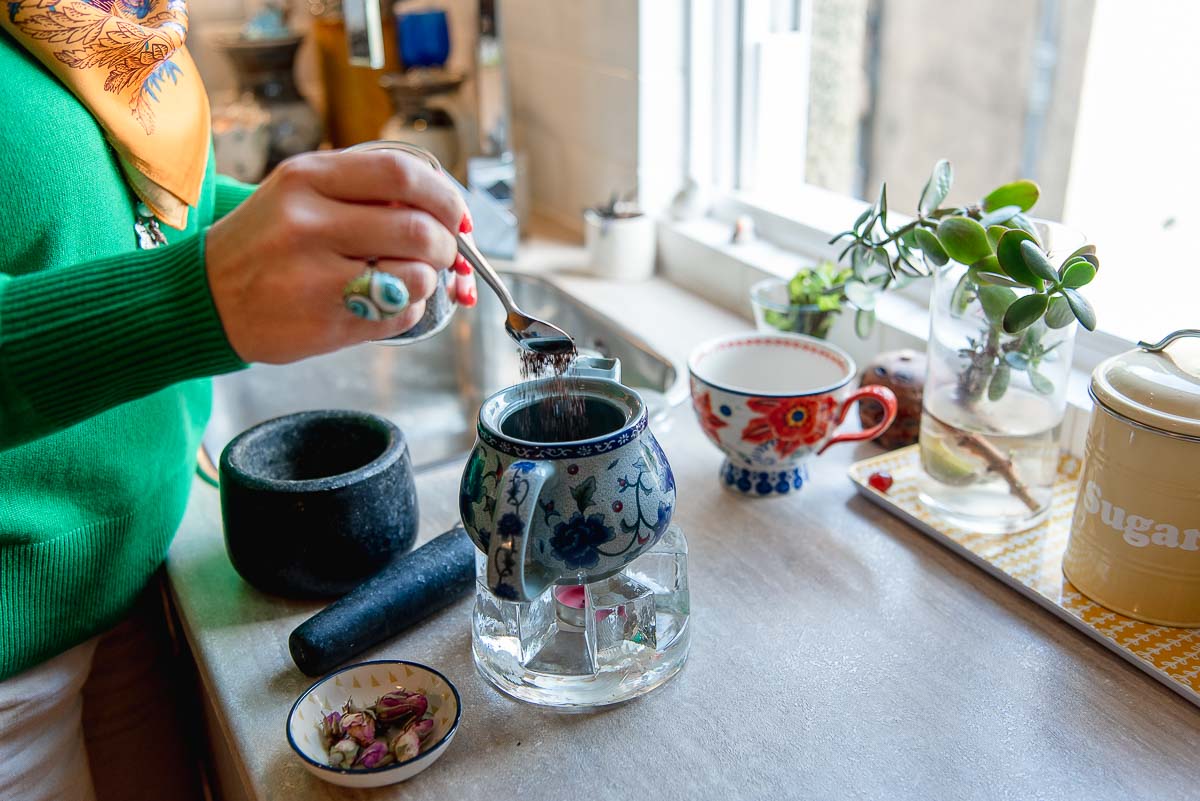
column 597, row 99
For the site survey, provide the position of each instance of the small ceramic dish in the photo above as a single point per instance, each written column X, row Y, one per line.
column 365, row 682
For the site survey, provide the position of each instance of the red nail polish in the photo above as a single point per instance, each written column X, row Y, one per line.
column 471, row 298
column 460, row 265
column 465, row 226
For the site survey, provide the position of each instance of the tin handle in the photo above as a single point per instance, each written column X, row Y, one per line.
column 1168, row 339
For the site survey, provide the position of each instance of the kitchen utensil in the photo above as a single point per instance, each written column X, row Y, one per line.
column 409, row 589
column 582, row 596
column 585, row 646
column 425, row 115
column 771, row 401
column 313, row 503
column 619, row 248
column 363, row 683
column 1030, row 562
column 1135, row 536
column 527, row 331
column 264, row 69
column 564, row 512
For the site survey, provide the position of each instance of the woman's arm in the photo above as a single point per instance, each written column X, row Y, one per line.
column 265, row 283
column 79, row 340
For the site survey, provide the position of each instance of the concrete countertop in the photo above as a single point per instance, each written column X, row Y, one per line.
column 836, row 653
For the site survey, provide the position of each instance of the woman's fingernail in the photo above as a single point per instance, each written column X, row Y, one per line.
column 465, row 226
column 460, row 265
column 471, row 298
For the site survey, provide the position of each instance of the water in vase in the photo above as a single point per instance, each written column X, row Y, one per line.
column 989, row 467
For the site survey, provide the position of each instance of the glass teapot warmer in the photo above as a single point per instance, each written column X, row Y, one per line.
column 582, row 646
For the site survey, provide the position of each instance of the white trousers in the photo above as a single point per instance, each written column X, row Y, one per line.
column 42, row 752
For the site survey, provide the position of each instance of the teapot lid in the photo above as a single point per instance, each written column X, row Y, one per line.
column 1153, row 385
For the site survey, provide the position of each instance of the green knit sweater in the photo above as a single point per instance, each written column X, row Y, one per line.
column 103, row 352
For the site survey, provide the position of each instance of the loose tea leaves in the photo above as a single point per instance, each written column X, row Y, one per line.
column 561, row 410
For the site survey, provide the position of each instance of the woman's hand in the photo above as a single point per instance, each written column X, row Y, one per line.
column 277, row 264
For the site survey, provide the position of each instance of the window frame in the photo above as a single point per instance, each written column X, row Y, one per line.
column 716, row 83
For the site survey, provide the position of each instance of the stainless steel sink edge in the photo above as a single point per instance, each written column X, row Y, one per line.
column 433, row 389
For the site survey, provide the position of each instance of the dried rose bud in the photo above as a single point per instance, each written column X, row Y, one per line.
column 360, row 726
column 343, row 753
column 399, row 705
column 331, row 726
column 406, row 744
column 372, row 755
column 423, row 728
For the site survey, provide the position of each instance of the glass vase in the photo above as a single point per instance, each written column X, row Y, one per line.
column 993, row 403
column 774, row 311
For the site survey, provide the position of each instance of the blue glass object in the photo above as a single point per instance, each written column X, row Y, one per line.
column 424, row 38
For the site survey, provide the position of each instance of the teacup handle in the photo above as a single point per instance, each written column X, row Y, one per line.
column 884, row 396
column 518, row 492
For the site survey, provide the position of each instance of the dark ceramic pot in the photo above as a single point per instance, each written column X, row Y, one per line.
column 316, row 502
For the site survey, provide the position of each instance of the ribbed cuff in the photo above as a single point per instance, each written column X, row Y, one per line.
column 82, row 339
column 228, row 193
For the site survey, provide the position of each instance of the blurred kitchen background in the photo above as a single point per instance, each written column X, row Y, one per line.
column 560, row 106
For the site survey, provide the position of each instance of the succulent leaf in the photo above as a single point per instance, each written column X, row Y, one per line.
column 1023, row 194
column 1012, row 260
column 963, row 239
column 936, row 188
column 1024, row 312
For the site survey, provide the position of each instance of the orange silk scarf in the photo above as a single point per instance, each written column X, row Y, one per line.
column 126, row 62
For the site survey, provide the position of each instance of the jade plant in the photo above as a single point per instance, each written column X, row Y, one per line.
column 1019, row 289
column 820, row 290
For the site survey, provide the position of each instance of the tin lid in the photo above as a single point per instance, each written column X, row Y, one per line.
column 1155, row 385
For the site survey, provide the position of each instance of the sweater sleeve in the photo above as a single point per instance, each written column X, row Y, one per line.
column 229, row 193
column 79, row 340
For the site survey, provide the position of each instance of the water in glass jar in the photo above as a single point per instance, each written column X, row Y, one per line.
column 989, row 467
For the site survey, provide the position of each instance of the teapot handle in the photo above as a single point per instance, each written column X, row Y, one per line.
column 516, row 504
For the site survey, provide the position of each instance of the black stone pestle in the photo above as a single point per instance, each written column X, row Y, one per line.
column 411, row 588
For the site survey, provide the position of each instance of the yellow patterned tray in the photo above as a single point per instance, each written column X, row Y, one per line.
column 1031, row 562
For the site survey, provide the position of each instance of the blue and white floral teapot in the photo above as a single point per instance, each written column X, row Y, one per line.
column 564, row 512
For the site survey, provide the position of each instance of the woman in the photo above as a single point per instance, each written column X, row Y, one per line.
column 129, row 273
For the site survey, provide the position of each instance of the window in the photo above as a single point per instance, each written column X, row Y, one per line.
column 795, row 106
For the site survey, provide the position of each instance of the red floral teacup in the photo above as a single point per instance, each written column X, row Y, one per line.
column 769, row 401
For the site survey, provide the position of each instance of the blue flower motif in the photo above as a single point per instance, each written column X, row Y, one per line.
column 664, row 519
column 666, row 479
column 509, row 525
column 576, row 542
column 523, row 467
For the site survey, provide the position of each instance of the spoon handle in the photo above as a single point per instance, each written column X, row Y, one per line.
column 485, row 271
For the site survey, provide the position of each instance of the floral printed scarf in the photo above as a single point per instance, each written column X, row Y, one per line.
column 126, row 62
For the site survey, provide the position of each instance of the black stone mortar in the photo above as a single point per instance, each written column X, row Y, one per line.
column 316, row 502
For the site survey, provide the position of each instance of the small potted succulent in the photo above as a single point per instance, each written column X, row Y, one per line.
column 1003, row 311
column 807, row 304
